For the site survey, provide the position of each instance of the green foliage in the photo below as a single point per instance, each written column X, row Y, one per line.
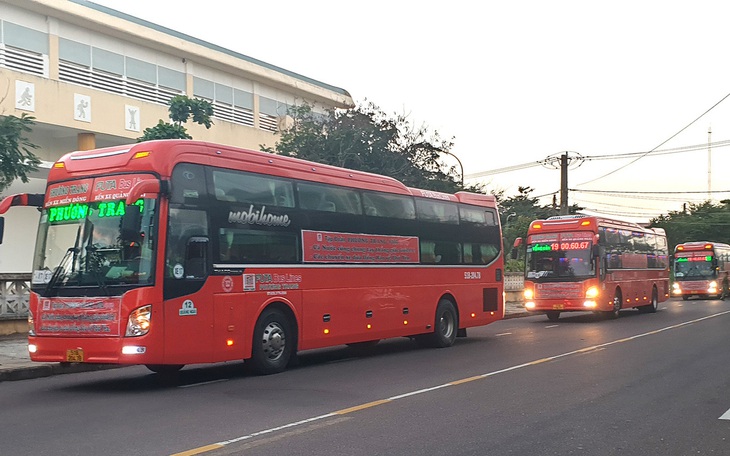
column 16, row 159
column 365, row 139
column 512, row 265
column 181, row 109
column 164, row 130
column 699, row 222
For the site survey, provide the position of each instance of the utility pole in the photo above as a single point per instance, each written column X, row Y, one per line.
column 709, row 163
column 564, row 184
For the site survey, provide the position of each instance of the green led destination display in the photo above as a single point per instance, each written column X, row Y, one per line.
column 541, row 248
column 694, row 259
column 79, row 211
column 555, row 246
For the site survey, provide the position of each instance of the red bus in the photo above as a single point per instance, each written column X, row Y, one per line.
column 169, row 253
column 701, row 269
column 579, row 263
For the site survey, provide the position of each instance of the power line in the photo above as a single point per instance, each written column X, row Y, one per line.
column 616, row 156
column 666, row 141
column 645, row 193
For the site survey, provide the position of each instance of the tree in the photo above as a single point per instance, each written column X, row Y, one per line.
column 697, row 222
column 365, row 139
column 181, row 108
column 16, row 159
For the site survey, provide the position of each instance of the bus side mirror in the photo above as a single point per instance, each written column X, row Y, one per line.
column 2, row 228
column 515, row 246
column 130, row 223
column 147, row 186
column 596, row 250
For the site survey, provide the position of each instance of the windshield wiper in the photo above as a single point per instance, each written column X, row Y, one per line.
column 60, row 271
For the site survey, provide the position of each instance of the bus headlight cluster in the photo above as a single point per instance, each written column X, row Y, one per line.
column 528, row 293
column 31, row 324
column 139, row 321
column 592, row 292
column 676, row 288
column 712, row 287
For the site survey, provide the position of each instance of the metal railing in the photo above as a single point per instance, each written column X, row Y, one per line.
column 14, row 296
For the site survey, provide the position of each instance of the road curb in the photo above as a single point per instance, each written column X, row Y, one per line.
column 47, row 370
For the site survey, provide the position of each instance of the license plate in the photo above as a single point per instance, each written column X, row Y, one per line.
column 558, row 306
column 75, row 355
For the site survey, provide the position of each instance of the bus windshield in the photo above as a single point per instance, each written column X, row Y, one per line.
column 92, row 245
column 694, row 268
column 560, row 259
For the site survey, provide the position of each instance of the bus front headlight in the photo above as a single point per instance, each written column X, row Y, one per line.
column 31, row 324
column 139, row 321
column 592, row 292
column 528, row 293
column 712, row 287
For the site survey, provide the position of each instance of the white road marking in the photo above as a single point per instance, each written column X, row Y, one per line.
column 593, row 348
column 502, row 334
column 725, row 416
column 551, row 326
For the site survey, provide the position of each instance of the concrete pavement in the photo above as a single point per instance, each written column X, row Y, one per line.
column 15, row 363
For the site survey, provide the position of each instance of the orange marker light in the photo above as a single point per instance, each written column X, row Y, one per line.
column 370, row 326
column 585, row 223
column 473, row 315
column 326, row 331
column 141, row 155
column 680, row 247
column 405, row 322
column 59, row 165
column 229, row 342
column 536, row 226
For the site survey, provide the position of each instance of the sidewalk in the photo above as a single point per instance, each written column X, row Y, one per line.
column 15, row 363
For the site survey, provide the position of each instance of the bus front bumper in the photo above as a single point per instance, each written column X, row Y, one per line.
column 107, row 350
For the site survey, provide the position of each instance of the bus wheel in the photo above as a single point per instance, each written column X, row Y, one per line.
column 553, row 315
column 164, row 368
column 654, row 306
column 685, row 297
column 446, row 325
column 270, row 352
column 613, row 313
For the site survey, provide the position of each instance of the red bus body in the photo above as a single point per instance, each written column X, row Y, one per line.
column 582, row 263
column 315, row 278
column 701, row 269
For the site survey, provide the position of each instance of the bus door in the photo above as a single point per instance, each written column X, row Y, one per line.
column 188, row 308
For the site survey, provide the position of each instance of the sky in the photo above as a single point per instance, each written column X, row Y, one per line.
column 516, row 83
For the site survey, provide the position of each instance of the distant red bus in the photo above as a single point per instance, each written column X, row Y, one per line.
column 700, row 269
column 169, row 253
column 579, row 263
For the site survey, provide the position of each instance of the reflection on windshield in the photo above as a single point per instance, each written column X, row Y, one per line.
column 559, row 264
column 693, row 270
column 85, row 246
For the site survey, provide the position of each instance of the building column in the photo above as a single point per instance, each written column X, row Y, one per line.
column 86, row 141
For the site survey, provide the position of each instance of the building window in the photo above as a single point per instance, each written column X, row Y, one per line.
column 23, row 49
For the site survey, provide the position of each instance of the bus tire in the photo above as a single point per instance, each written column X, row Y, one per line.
column 654, row 306
column 685, row 297
column 617, row 300
column 164, row 369
column 445, row 328
column 271, row 350
column 553, row 315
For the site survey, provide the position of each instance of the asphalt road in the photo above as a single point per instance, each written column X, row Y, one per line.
column 642, row 384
